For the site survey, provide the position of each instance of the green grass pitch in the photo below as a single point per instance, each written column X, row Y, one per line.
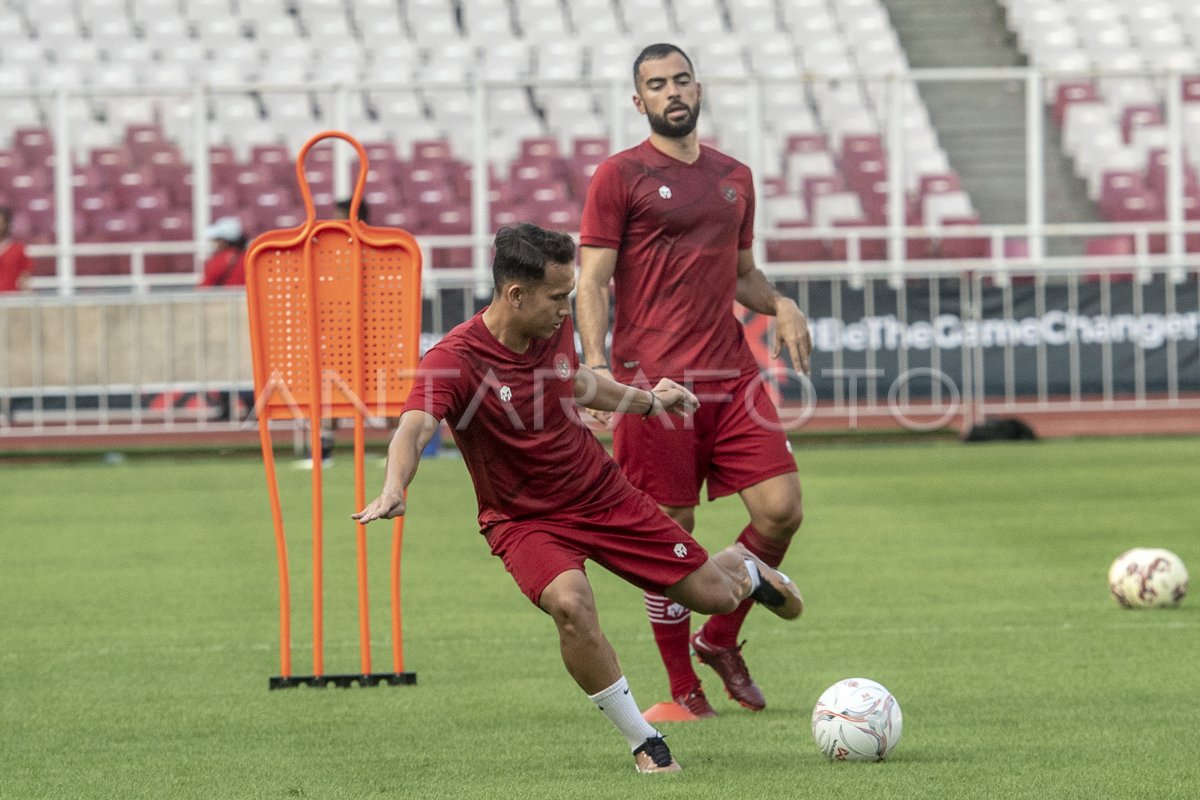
column 138, row 627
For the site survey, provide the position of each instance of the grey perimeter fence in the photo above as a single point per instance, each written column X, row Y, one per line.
column 924, row 349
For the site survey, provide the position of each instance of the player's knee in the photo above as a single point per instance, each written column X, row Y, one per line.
column 780, row 519
column 574, row 612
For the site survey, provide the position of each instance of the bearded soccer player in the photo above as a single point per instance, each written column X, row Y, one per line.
column 508, row 380
column 670, row 223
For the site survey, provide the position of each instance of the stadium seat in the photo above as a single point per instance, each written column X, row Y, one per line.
column 963, row 246
column 940, row 208
column 812, row 249
column 110, row 43
column 171, row 226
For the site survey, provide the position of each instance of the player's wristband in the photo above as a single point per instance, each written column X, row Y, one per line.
column 653, row 402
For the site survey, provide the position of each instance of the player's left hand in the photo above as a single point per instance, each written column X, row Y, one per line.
column 387, row 506
column 791, row 329
column 674, row 399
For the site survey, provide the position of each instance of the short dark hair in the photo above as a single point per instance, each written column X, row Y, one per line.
column 343, row 208
column 654, row 52
column 524, row 249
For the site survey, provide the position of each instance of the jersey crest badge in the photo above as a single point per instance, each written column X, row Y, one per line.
column 681, row 550
column 505, row 394
column 730, row 193
column 562, row 367
column 664, row 192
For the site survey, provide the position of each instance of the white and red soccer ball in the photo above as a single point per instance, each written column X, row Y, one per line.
column 1148, row 577
column 857, row 719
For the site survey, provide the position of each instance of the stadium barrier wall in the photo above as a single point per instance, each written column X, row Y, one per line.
column 933, row 350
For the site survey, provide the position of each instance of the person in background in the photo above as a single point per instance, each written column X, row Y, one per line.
column 15, row 265
column 227, row 265
column 343, row 210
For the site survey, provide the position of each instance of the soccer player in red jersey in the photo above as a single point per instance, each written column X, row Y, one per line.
column 509, row 382
column 670, row 222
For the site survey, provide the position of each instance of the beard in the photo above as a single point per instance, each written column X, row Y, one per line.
column 663, row 126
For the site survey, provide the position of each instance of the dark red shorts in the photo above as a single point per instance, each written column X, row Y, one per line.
column 733, row 442
column 634, row 540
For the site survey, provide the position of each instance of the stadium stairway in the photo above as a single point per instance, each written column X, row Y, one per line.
column 983, row 133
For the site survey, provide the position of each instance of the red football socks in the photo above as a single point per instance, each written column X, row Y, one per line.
column 671, row 624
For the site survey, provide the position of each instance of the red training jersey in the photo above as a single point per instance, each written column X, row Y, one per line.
column 14, row 263
column 677, row 229
column 226, row 267
column 514, row 418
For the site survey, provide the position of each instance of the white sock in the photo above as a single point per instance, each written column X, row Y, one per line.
column 619, row 706
column 755, row 575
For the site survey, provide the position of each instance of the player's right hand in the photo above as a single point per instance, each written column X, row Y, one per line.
column 386, row 506
column 674, row 398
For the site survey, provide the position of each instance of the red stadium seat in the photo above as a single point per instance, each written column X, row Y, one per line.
column 10, row 161
column 1110, row 246
column 425, row 150
column 579, row 170
column 273, row 161
column 1191, row 89
column 806, row 143
column 815, row 186
column 34, row 145
column 176, row 179
column 221, row 154
column 1157, row 175
column 1138, row 116
column 543, row 148
column 169, row 227
column 527, row 177
column 1069, row 92
column 402, row 217
column 591, row 148
column 120, row 157
column 93, row 199
column 380, row 153
column 861, row 147
column 795, row 249
column 27, row 188
column 508, row 215
column 34, row 223
column 107, row 226
column 963, row 246
column 447, row 218
column 937, row 182
column 870, row 248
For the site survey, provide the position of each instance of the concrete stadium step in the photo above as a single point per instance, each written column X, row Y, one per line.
column 982, row 126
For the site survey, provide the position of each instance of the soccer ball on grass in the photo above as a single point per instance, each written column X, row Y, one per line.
column 1148, row 577
column 857, row 719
